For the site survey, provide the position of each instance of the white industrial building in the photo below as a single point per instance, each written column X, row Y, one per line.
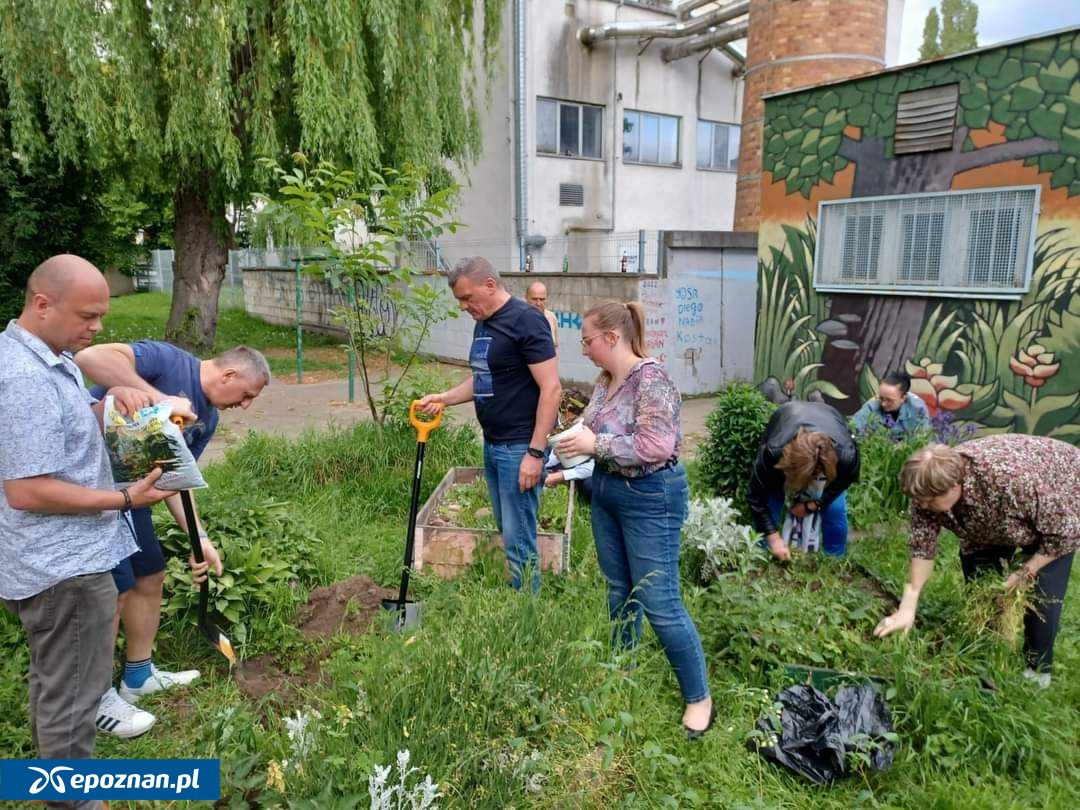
column 605, row 119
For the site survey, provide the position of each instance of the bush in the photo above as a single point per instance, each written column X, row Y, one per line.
column 267, row 553
column 712, row 527
column 734, row 428
column 876, row 497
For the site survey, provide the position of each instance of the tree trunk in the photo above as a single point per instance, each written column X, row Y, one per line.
column 202, row 237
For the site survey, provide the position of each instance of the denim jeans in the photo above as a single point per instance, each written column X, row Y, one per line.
column 514, row 511
column 833, row 523
column 636, row 524
column 69, row 628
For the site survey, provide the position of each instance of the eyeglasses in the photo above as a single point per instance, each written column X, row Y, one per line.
column 585, row 341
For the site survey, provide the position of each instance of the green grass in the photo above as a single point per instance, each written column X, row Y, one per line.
column 510, row 700
column 499, row 692
column 143, row 316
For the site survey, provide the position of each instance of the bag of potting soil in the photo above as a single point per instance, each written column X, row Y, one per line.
column 813, row 735
column 145, row 440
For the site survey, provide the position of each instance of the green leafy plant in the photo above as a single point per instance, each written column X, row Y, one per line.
column 267, row 554
column 362, row 225
column 735, row 428
column 876, row 497
column 712, row 525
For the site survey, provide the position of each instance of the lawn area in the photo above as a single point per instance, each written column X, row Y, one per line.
column 143, row 315
column 512, row 700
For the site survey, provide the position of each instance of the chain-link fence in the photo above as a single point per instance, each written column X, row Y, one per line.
column 627, row 252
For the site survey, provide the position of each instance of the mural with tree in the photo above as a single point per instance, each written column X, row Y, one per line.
column 1008, row 365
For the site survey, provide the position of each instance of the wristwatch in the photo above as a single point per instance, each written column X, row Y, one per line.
column 532, row 451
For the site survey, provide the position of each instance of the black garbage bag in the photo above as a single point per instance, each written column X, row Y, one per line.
column 813, row 735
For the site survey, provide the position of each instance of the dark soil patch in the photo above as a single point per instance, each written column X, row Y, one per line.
column 349, row 607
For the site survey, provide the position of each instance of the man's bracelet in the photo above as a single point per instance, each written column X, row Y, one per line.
column 1028, row 573
column 127, row 500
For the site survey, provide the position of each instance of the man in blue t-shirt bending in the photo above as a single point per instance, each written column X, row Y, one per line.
column 231, row 380
column 515, row 388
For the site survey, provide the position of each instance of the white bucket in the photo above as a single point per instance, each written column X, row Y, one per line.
column 568, row 461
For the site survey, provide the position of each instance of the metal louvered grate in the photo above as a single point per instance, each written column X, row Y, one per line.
column 925, row 119
column 571, row 194
column 954, row 243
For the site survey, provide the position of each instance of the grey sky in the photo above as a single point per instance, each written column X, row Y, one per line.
column 999, row 21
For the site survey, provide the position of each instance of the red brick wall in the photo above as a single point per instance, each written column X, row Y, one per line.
column 779, row 30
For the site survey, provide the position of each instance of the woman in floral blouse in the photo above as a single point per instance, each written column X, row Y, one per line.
column 640, row 495
column 999, row 495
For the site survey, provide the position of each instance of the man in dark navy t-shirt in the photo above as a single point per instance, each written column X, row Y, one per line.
column 515, row 388
column 231, row 380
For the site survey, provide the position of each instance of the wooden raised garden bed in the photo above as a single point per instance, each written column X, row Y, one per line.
column 448, row 549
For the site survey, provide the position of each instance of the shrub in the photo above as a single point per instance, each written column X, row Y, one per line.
column 712, row 526
column 735, row 427
column 267, row 553
column 876, row 497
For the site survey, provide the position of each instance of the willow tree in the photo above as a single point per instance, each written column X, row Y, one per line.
column 195, row 93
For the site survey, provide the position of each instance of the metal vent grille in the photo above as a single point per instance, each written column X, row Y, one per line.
column 925, row 119
column 953, row 243
column 571, row 194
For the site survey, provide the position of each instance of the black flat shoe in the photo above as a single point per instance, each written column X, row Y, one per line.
column 698, row 733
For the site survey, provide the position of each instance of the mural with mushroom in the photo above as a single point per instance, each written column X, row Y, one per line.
column 995, row 364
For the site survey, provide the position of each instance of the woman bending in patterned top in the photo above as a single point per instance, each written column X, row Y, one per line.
column 999, row 495
column 639, row 496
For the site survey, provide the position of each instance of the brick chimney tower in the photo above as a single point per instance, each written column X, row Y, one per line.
column 798, row 43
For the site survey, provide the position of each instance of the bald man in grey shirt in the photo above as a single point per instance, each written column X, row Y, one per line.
column 60, row 527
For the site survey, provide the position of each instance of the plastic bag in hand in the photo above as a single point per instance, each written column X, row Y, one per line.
column 148, row 439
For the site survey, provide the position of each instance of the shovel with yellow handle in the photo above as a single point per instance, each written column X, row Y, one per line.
column 208, row 628
column 408, row 612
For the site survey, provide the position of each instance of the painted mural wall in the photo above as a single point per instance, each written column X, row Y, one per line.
column 1002, row 365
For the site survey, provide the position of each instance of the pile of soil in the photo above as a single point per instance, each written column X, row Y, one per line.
column 349, row 606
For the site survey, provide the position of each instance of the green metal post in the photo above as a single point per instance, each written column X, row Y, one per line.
column 350, row 350
column 299, row 328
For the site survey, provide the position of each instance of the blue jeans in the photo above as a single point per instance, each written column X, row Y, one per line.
column 833, row 523
column 636, row 524
column 514, row 511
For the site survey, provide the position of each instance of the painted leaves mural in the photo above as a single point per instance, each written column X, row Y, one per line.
column 1003, row 364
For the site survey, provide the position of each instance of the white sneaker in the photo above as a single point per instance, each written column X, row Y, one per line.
column 1041, row 678
column 117, row 716
column 159, row 679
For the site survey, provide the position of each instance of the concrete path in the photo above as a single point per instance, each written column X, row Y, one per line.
column 289, row 409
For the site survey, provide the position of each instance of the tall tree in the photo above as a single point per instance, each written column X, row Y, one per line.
column 959, row 20
column 953, row 31
column 194, row 93
column 931, row 33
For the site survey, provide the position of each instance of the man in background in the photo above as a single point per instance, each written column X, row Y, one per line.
column 537, row 295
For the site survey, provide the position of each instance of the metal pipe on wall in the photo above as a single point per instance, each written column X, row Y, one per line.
column 714, row 39
column 682, row 8
column 589, row 35
column 521, row 158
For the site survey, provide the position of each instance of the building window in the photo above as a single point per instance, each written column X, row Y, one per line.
column 962, row 243
column 717, row 146
column 568, row 129
column 650, row 138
